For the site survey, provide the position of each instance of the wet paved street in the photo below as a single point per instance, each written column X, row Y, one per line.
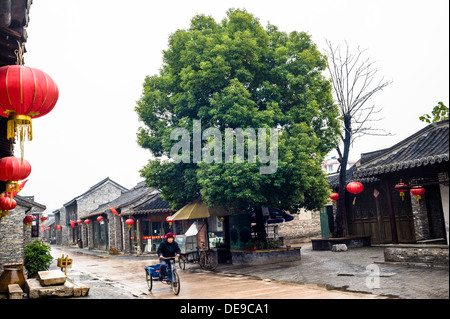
column 123, row 277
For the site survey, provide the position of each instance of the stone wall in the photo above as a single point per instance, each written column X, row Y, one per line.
column 14, row 235
column 423, row 254
column 305, row 225
column 263, row 257
column 420, row 216
column 104, row 194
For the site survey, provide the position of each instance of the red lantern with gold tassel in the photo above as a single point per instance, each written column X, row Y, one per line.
column 355, row 188
column 334, row 197
column 6, row 204
column 402, row 188
column 28, row 220
column 129, row 222
column 25, row 93
column 13, row 169
column 169, row 219
column 418, row 191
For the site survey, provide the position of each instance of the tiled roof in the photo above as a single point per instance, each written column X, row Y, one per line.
column 28, row 201
column 154, row 204
column 426, row 147
column 333, row 179
column 132, row 197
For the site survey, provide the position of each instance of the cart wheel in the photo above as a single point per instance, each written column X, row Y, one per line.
column 149, row 279
column 212, row 262
column 202, row 261
column 182, row 263
column 175, row 285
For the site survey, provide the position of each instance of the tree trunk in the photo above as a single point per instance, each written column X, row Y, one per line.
column 260, row 227
column 340, row 229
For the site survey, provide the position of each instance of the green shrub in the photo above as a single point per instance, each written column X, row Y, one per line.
column 37, row 257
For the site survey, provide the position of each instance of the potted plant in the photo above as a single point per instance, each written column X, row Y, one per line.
column 37, row 257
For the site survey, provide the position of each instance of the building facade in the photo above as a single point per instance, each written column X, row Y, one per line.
column 385, row 214
column 79, row 207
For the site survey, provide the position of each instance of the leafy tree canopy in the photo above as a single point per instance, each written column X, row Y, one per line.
column 439, row 113
column 238, row 74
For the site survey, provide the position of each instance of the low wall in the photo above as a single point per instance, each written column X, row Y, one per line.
column 425, row 254
column 265, row 256
column 351, row 242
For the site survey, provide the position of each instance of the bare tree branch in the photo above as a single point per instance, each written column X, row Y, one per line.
column 354, row 81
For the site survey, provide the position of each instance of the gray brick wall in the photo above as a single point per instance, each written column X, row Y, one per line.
column 14, row 235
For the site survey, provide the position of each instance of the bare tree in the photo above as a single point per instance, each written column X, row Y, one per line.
column 354, row 79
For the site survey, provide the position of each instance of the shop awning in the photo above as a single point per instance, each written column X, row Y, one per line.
column 198, row 210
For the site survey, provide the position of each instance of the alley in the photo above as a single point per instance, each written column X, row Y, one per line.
column 123, row 277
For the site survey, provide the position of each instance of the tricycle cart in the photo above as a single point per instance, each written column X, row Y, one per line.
column 193, row 249
column 172, row 278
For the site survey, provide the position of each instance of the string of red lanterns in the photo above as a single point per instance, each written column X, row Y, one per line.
column 25, row 93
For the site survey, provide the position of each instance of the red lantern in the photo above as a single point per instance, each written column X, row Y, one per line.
column 25, row 93
column 355, row 188
column 87, row 222
column 100, row 219
column 72, row 223
column 28, row 220
column 418, row 191
column 13, row 169
column 43, row 218
column 59, row 227
column 129, row 222
column 334, row 196
column 6, row 204
column 401, row 188
column 79, row 222
column 170, row 220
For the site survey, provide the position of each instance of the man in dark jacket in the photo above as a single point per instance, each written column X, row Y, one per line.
column 168, row 248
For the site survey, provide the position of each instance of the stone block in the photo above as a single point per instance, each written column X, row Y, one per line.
column 339, row 247
column 35, row 290
column 80, row 290
column 50, row 278
column 14, row 291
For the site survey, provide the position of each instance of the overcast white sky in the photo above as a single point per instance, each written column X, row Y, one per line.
column 99, row 52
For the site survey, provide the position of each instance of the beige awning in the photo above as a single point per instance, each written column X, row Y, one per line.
column 198, row 210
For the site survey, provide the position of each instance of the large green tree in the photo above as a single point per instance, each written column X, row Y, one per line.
column 238, row 74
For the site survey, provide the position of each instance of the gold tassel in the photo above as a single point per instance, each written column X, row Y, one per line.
column 12, row 186
column 19, row 126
